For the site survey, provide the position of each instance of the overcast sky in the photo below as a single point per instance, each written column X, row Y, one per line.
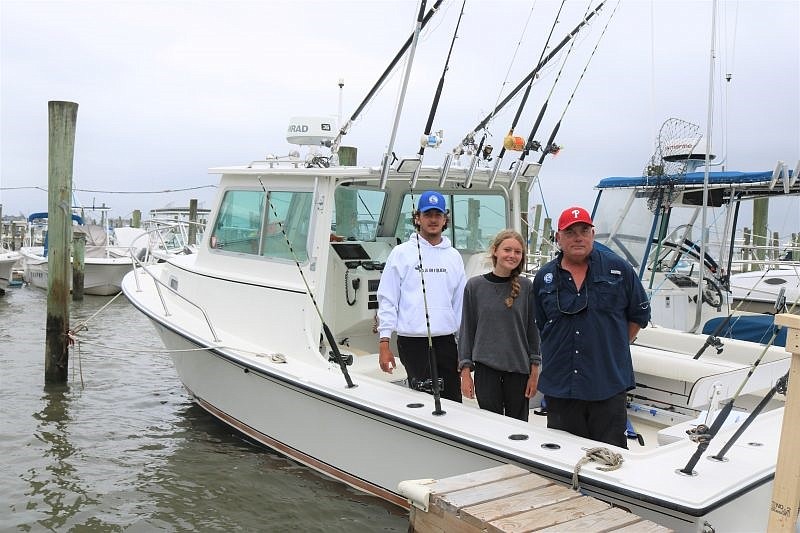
column 167, row 89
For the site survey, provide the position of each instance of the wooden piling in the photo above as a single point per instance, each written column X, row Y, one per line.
column 534, row 234
column 348, row 155
column 547, row 242
column 760, row 219
column 62, row 117
column 136, row 219
column 786, row 488
column 78, row 265
column 192, row 236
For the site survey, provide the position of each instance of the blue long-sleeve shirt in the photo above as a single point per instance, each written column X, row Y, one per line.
column 584, row 334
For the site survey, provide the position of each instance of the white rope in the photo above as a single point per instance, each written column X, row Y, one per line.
column 601, row 455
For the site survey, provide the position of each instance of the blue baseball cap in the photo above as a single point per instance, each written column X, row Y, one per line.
column 431, row 200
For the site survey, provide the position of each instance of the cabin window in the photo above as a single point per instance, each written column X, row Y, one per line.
column 252, row 222
column 356, row 213
column 474, row 220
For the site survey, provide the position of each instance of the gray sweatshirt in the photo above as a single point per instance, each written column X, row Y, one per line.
column 492, row 334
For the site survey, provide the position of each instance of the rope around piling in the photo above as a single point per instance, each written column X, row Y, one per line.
column 601, row 455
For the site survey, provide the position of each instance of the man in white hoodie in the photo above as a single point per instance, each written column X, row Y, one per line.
column 402, row 306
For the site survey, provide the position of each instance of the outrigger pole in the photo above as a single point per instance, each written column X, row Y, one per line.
column 346, row 127
column 385, row 164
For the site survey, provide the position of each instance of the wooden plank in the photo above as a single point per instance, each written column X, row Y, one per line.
column 453, row 501
column 608, row 520
column 518, row 503
column 786, row 488
column 480, row 477
column 423, row 522
column 559, row 514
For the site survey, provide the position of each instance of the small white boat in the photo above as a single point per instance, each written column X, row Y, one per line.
column 8, row 260
column 762, row 290
column 105, row 264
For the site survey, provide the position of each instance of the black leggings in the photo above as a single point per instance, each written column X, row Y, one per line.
column 413, row 352
column 501, row 392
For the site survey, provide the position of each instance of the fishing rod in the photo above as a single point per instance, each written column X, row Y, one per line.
column 328, row 335
column 427, row 139
column 479, row 151
column 401, row 99
column 508, row 141
column 532, row 74
column 702, row 434
column 780, row 387
column 346, row 127
column 550, row 147
column 530, row 144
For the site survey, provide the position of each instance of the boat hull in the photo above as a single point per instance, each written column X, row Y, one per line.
column 102, row 276
column 373, row 451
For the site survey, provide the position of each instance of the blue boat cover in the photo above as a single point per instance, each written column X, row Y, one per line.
column 753, row 328
column 35, row 216
column 692, row 178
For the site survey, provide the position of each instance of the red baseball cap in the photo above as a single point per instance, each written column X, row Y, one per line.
column 573, row 215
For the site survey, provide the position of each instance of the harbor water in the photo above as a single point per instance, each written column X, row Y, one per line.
column 121, row 447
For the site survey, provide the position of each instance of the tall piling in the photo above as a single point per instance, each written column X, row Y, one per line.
column 192, row 236
column 62, row 118
column 78, row 265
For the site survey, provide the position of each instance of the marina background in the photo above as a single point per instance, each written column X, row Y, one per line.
column 122, row 447
column 168, row 89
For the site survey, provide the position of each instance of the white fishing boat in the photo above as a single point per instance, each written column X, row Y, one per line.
column 105, row 263
column 8, row 261
column 286, row 277
column 768, row 289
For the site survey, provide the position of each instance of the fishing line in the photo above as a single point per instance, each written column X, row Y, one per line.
column 524, row 100
column 334, row 347
column 532, row 73
column 346, row 127
column 435, row 104
column 550, row 147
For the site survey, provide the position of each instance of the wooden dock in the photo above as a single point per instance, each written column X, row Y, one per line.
column 510, row 499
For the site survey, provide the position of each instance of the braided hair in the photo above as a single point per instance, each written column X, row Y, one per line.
column 498, row 240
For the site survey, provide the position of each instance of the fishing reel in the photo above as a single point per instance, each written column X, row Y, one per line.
column 347, row 358
column 433, row 140
column 426, row 385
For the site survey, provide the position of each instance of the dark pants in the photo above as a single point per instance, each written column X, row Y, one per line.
column 604, row 420
column 501, row 392
column 413, row 352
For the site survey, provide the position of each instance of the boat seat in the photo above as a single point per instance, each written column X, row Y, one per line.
column 696, row 379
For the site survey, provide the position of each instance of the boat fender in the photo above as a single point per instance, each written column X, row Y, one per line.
column 417, row 492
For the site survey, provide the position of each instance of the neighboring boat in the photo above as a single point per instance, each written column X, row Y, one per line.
column 767, row 290
column 105, row 264
column 654, row 222
column 8, row 261
column 286, row 246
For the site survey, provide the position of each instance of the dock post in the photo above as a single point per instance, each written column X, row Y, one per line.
column 78, row 265
column 760, row 219
column 786, row 487
column 192, row 237
column 136, row 219
column 535, row 233
column 348, row 155
column 547, row 242
column 61, row 150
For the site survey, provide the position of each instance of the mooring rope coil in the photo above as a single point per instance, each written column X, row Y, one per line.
column 602, row 455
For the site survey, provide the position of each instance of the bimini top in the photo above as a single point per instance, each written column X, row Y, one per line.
column 690, row 179
column 35, row 216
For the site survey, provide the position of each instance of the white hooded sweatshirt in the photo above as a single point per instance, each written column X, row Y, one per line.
column 401, row 307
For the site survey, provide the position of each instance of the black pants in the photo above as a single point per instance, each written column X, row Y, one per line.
column 413, row 352
column 501, row 392
column 604, row 420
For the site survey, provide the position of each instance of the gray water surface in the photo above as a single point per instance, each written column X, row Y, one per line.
column 122, row 448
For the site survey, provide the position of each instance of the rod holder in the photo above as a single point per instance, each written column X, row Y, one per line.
column 448, row 159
